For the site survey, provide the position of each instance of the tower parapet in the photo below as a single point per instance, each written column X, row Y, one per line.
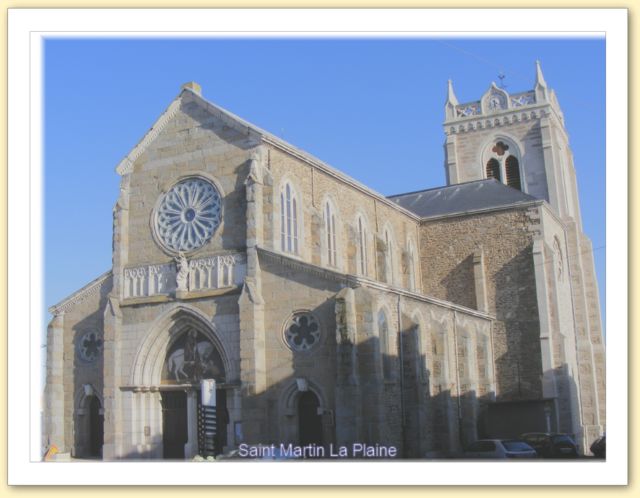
column 497, row 107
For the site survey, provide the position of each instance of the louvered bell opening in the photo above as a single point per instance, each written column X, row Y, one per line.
column 513, row 173
column 493, row 169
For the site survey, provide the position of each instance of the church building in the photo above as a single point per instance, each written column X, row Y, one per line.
column 326, row 312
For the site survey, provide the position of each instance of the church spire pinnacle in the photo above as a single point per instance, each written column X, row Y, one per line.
column 452, row 102
column 541, row 84
column 539, row 76
column 451, row 96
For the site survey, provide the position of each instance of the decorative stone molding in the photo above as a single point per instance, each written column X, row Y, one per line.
column 466, row 110
column 126, row 165
column 83, row 294
column 523, row 99
column 479, row 122
column 209, row 273
column 355, row 281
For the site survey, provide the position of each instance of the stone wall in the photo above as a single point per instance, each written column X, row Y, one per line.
column 194, row 141
column 505, row 240
column 68, row 371
column 314, row 186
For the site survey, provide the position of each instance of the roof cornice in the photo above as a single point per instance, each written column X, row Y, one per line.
column 513, row 205
column 358, row 281
column 126, row 165
column 80, row 295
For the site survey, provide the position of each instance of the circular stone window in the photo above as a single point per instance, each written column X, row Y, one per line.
column 302, row 331
column 90, row 346
column 188, row 215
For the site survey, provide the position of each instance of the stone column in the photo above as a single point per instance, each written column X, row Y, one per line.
column 549, row 163
column 585, row 378
column 53, row 432
column 451, row 161
column 112, row 396
column 348, row 419
column 480, row 280
column 234, row 406
column 546, row 345
column 191, row 446
column 251, row 306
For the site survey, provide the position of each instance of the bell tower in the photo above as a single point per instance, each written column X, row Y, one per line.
column 519, row 139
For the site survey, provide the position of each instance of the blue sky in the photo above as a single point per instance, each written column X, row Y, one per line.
column 372, row 108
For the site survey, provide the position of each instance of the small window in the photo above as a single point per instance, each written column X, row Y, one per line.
column 330, row 234
column 493, row 169
column 512, row 168
column 302, row 331
column 385, row 346
column 420, row 355
column 362, row 247
column 411, row 266
column 388, row 257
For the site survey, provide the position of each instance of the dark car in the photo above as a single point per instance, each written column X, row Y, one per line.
column 599, row 447
column 552, row 445
column 499, row 448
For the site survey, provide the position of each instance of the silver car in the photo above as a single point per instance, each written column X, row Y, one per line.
column 500, row 448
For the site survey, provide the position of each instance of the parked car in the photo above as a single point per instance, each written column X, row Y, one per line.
column 500, row 448
column 599, row 447
column 551, row 445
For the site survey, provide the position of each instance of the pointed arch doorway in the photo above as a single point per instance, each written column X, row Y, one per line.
column 309, row 419
column 191, row 356
column 96, row 427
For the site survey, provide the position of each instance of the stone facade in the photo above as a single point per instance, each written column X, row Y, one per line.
column 326, row 313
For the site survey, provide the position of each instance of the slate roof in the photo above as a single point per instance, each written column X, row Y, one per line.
column 461, row 198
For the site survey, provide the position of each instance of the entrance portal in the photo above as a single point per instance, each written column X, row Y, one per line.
column 309, row 421
column 96, row 427
column 174, row 423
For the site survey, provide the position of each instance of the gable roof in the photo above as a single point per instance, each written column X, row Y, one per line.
column 461, row 198
column 187, row 94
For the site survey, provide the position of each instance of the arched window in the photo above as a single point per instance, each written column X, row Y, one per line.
column 362, row 247
column 420, row 357
column 501, row 158
column 288, row 220
column 493, row 169
column 330, row 233
column 388, row 240
column 512, row 170
column 411, row 268
column 385, row 345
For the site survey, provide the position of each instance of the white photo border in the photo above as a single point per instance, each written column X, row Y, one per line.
column 28, row 27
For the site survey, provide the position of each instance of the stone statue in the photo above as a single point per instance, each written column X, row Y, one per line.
column 182, row 272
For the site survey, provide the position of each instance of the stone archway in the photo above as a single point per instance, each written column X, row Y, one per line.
column 309, row 420
column 299, row 424
column 181, row 348
column 89, row 423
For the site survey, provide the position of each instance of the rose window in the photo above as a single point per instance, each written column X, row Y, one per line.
column 188, row 215
column 302, row 332
column 90, row 346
